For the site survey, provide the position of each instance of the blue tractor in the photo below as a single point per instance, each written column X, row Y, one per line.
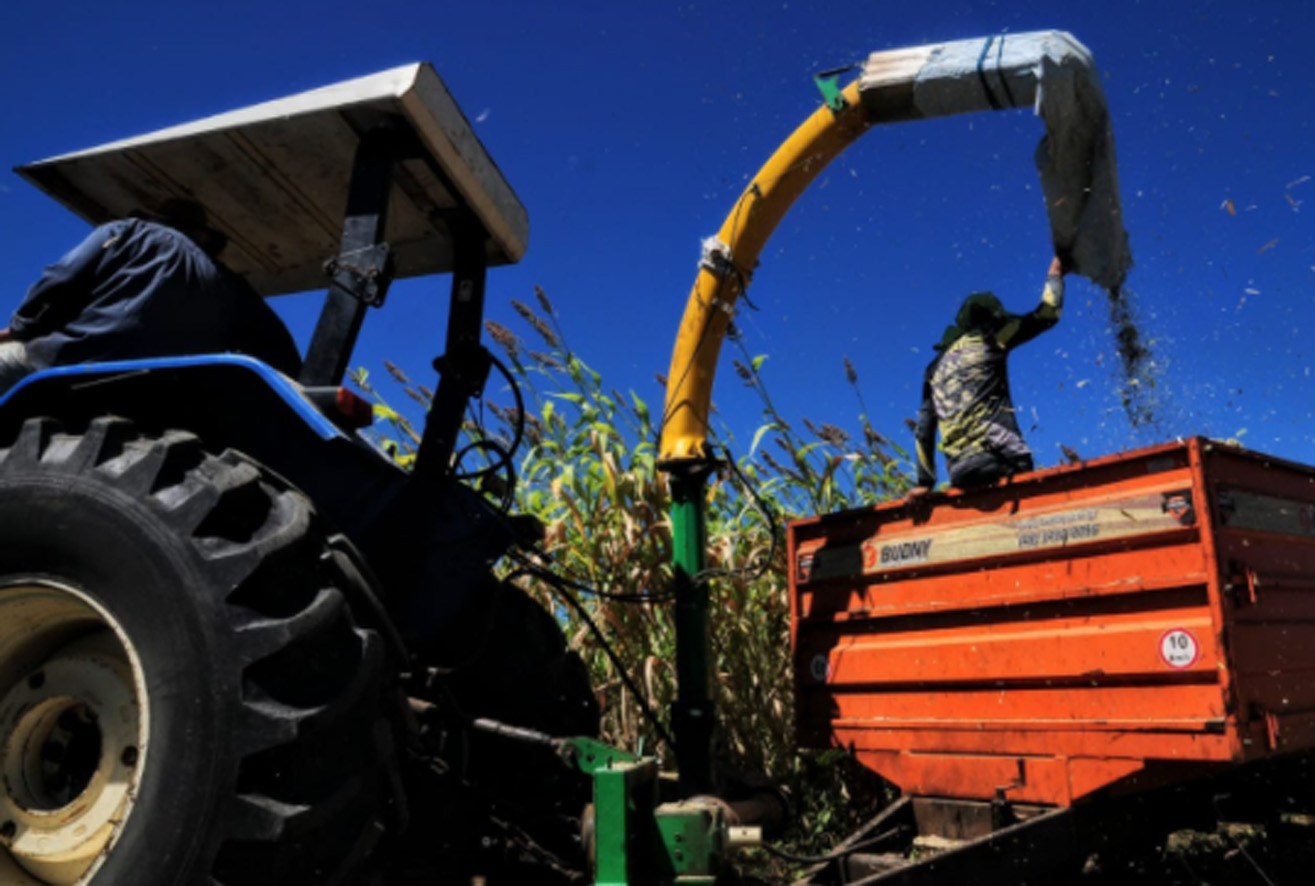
column 238, row 645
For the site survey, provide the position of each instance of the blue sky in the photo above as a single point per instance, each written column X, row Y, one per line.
column 628, row 129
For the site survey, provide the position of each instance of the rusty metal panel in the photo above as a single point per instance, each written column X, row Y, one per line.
column 1138, row 614
column 1264, row 510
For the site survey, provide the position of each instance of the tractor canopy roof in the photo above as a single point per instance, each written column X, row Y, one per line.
column 274, row 177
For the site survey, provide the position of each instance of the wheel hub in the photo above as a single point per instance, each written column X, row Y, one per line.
column 72, row 734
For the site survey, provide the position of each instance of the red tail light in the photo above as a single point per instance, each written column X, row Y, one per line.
column 357, row 411
column 342, row 407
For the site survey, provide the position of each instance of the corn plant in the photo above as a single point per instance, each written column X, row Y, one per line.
column 587, row 470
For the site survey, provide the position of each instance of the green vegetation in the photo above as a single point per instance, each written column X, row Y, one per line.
column 587, row 469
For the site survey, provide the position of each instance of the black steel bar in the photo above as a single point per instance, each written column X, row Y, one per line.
column 363, row 228
column 1030, row 851
column 901, row 811
column 464, row 366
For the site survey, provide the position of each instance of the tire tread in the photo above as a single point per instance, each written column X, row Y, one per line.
column 265, row 563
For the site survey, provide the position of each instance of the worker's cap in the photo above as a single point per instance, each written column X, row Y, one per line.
column 980, row 310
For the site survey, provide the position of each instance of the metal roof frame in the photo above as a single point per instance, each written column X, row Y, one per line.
column 274, row 178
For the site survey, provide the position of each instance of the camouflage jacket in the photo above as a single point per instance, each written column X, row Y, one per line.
column 965, row 391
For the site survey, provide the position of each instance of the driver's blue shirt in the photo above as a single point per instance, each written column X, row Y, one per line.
column 137, row 289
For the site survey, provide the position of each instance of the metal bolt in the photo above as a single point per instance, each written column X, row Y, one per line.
column 7, row 830
column 36, row 681
column 129, row 757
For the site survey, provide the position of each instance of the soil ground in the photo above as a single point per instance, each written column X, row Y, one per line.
column 1249, row 826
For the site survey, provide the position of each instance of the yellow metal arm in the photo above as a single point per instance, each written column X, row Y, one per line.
column 746, row 230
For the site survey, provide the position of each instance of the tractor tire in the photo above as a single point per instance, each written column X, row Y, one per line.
column 185, row 696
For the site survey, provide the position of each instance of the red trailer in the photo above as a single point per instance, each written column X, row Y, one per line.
column 1106, row 627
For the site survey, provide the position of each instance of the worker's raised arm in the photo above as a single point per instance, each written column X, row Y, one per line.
column 925, row 437
column 1019, row 330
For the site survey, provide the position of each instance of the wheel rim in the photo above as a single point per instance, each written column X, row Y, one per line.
column 73, row 727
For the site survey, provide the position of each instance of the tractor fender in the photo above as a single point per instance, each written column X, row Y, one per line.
column 231, row 402
column 124, row 381
column 431, row 547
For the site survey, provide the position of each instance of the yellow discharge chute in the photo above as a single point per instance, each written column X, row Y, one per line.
column 1049, row 70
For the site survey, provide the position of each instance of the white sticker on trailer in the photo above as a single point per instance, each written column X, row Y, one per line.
column 1179, row 649
column 1032, row 532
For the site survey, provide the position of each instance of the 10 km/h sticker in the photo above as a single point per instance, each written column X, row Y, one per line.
column 1179, row 649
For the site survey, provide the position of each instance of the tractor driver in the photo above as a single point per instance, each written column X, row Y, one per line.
column 966, row 391
column 142, row 287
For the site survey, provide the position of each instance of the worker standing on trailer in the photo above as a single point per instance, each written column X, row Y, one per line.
column 142, row 287
column 965, row 391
